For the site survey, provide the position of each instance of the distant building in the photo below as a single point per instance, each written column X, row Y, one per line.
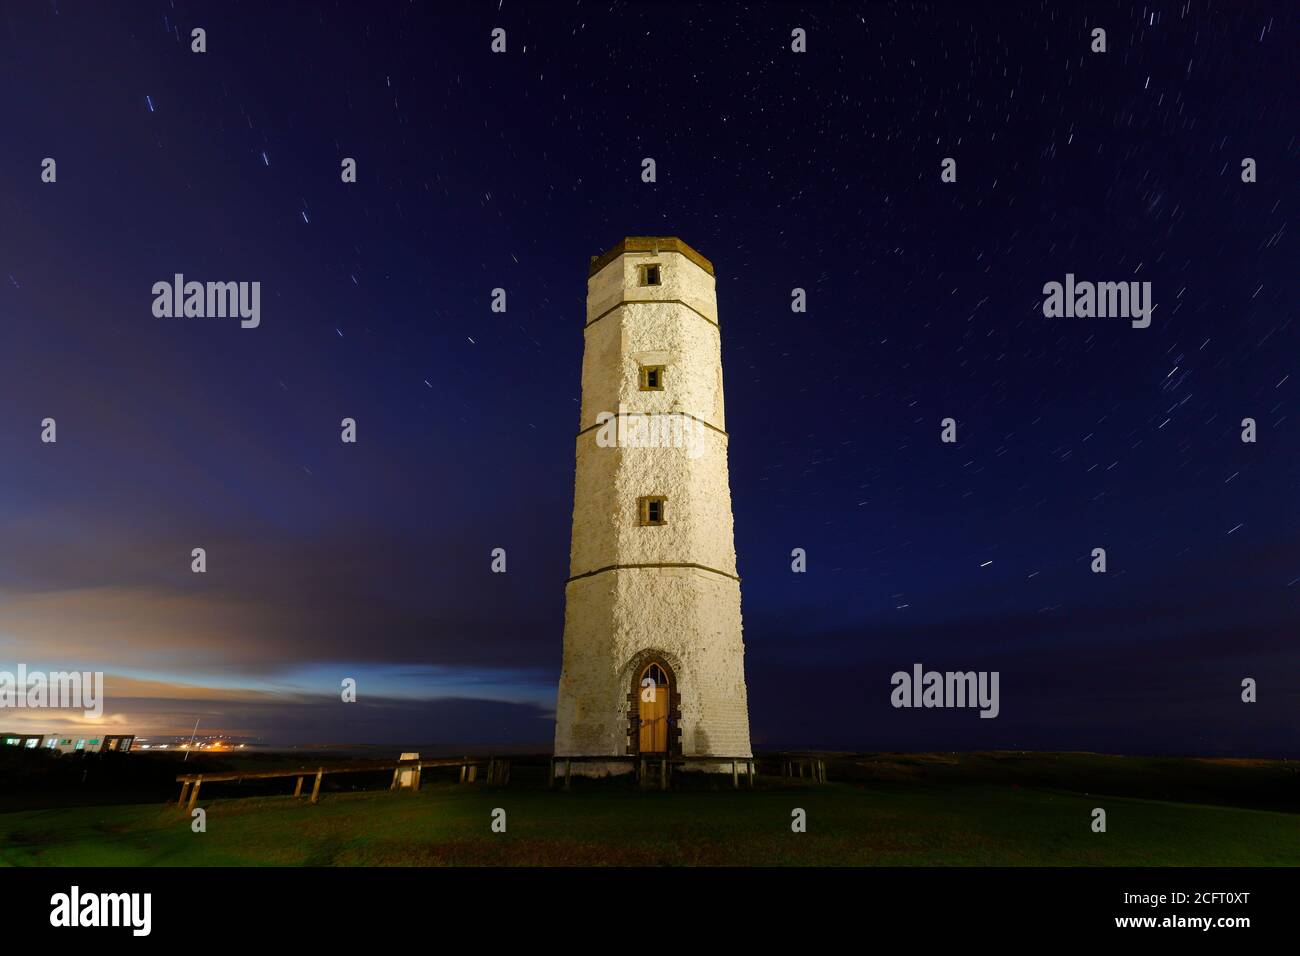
column 108, row 743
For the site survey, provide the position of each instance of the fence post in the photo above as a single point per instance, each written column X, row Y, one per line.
column 185, row 791
column 315, row 790
column 297, row 790
column 194, row 792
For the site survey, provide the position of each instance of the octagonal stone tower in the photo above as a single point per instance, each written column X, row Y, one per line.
column 653, row 658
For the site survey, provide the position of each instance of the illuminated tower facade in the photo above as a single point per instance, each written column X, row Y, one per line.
column 653, row 657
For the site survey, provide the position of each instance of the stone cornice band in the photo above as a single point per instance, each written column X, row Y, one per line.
column 655, row 415
column 620, row 305
column 624, row 567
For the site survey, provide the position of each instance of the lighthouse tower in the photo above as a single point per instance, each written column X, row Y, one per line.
column 653, row 658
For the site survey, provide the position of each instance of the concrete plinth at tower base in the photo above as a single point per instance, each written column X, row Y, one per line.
column 593, row 767
column 653, row 768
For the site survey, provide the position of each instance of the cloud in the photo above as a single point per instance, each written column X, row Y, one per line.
column 157, row 709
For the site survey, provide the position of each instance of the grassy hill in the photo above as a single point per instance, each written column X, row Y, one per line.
column 879, row 809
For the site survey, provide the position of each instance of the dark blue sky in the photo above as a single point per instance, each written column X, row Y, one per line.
column 817, row 170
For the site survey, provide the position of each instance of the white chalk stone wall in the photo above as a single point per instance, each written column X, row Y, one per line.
column 617, row 617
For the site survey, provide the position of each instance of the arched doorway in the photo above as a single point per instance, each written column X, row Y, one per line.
column 654, row 706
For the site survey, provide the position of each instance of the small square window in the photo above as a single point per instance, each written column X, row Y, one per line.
column 650, row 275
column 652, row 378
column 651, row 510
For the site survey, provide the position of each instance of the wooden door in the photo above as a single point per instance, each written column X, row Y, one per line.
column 654, row 696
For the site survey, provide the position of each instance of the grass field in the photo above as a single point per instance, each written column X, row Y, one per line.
column 967, row 810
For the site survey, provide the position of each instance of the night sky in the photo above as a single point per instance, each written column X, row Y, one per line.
column 818, row 170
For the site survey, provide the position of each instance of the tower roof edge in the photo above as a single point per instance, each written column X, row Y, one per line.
column 648, row 244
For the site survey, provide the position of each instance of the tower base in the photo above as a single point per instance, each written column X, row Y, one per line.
column 599, row 766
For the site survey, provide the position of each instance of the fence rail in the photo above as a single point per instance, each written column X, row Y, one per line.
column 498, row 771
column 813, row 768
column 648, row 770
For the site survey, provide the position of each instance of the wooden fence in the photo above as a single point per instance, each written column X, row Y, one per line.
column 649, row 770
column 498, row 771
column 810, row 768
